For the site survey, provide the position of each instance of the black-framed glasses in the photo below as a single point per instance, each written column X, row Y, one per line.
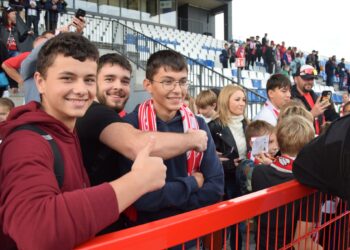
column 171, row 84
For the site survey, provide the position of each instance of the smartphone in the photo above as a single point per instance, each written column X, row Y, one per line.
column 80, row 13
column 326, row 95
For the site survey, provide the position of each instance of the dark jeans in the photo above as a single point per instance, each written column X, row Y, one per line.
column 329, row 80
column 232, row 190
column 51, row 21
column 341, row 82
column 35, row 21
column 269, row 67
column 225, row 64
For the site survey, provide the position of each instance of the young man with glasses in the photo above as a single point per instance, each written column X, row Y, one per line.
column 321, row 110
column 104, row 137
column 194, row 179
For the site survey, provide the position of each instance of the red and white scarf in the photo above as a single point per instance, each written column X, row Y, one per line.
column 283, row 163
column 272, row 108
column 147, row 122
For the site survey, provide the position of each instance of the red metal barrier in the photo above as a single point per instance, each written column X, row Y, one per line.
column 182, row 228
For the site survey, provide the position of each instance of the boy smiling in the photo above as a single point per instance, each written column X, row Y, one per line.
column 194, row 179
column 38, row 211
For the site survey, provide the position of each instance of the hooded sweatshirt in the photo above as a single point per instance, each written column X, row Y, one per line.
column 34, row 212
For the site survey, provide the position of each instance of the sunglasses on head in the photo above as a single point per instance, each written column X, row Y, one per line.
column 309, row 72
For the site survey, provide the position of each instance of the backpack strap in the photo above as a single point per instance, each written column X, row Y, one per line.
column 58, row 164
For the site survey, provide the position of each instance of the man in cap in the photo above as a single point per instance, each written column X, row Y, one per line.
column 302, row 90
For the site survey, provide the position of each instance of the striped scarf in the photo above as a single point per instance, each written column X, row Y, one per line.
column 147, row 122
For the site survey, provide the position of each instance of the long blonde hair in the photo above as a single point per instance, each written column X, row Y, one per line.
column 224, row 112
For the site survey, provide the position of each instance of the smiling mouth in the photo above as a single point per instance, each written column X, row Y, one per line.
column 77, row 101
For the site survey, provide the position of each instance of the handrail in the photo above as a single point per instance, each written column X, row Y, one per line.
column 213, row 72
column 164, row 233
column 217, row 80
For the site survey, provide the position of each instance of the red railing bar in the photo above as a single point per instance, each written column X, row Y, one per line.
column 164, row 233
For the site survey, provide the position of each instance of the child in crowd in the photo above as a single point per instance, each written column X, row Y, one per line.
column 206, row 102
column 285, row 70
column 346, row 108
column 191, row 103
column 293, row 132
column 245, row 168
column 278, row 92
column 6, row 105
column 295, row 108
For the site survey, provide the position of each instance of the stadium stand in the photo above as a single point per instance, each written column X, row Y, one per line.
column 202, row 50
column 137, row 41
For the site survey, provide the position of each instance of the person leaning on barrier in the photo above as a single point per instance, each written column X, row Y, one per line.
column 228, row 132
column 104, row 137
column 194, row 179
column 293, row 133
column 36, row 211
column 329, row 167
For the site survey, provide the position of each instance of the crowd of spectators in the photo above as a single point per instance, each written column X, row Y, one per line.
column 280, row 58
column 117, row 170
column 31, row 10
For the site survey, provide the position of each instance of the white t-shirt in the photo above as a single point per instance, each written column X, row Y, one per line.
column 266, row 114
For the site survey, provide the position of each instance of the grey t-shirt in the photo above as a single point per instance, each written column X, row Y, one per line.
column 28, row 68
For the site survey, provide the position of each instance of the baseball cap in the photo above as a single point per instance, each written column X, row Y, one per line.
column 9, row 9
column 306, row 72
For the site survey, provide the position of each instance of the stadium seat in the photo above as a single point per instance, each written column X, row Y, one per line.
column 256, row 83
column 244, row 73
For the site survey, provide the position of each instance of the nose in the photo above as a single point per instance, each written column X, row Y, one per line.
column 80, row 87
column 117, row 84
column 177, row 87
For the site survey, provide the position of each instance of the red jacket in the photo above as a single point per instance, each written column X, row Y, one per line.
column 34, row 212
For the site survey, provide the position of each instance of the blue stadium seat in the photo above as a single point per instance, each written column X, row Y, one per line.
column 262, row 92
column 256, row 83
column 234, row 72
column 190, row 62
column 201, row 61
column 131, row 39
column 209, row 63
column 143, row 48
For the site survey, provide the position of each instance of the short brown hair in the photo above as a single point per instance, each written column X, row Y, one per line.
column 114, row 59
column 295, row 108
column 168, row 59
column 205, row 98
column 6, row 102
column 69, row 45
column 293, row 133
column 258, row 128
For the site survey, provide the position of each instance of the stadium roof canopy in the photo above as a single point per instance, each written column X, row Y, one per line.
column 204, row 4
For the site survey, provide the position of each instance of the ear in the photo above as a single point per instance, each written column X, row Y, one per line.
column 40, row 82
column 147, row 85
column 214, row 105
column 270, row 93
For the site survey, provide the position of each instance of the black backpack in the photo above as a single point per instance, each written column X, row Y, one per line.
column 58, row 163
column 324, row 163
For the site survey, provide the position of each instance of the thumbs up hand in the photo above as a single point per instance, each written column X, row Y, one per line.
column 150, row 169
